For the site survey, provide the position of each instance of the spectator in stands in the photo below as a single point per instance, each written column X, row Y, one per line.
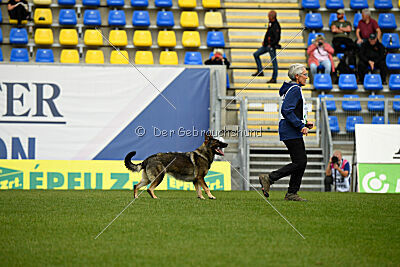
column 292, row 126
column 337, row 172
column 270, row 44
column 341, row 29
column 366, row 26
column 320, row 53
column 18, row 9
column 372, row 56
column 218, row 58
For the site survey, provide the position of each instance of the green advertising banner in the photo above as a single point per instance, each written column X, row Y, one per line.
column 378, row 178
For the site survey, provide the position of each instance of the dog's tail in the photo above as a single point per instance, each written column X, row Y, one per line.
column 129, row 165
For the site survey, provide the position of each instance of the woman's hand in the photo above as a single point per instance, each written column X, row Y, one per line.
column 304, row 131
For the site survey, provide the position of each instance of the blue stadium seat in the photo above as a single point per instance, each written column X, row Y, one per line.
column 141, row 18
column 376, row 105
column 163, row 3
column 378, row 120
column 115, row 3
column 193, row 58
column 310, row 4
column 313, row 21
column 391, row 40
column 228, row 85
column 347, row 82
column 393, row 61
column 18, row 36
column 312, row 35
column 333, row 17
column 215, row 39
column 1, row 55
column 165, row 19
column 19, row 55
column 323, row 82
column 340, row 55
column 67, row 17
column 330, row 104
column 334, row 4
column 66, row 2
column 1, row 17
column 351, row 105
column 398, row 121
column 44, row 55
column 357, row 18
column 1, row 36
column 92, row 17
column 373, row 82
column 334, row 124
column 352, row 121
column 394, row 82
column 387, row 21
column 383, row 4
column 91, row 2
column 358, row 4
column 116, row 18
column 396, row 104
column 139, row 3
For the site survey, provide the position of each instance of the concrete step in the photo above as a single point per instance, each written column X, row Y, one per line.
column 278, row 163
column 273, row 4
column 257, row 45
column 260, row 16
column 244, row 76
column 247, row 54
column 264, row 93
column 254, row 35
column 264, row 86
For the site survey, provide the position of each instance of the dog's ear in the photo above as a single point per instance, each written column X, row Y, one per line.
column 207, row 138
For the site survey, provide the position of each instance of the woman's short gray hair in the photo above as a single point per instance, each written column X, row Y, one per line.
column 295, row 69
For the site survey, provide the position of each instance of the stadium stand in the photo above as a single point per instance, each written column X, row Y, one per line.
column 44, row 56
column 387, row 21
column 67, row 17
column 378, row 120
column 393, row 61
column 166, row 39
column 144, row 58
column 119, row 57
column 187, row 3
column 68, row 37
column 373, row 82
column 348, row 82
column 333, row 17
column 391, row 40
column 1, row 35
column 92, row 37
column 394, row 82
column 312, row 35
column 139, row 3
column 92, row 17
column 43, row 16
column 142, row 38
column 334, row 4
column 211, row 3
column 330, row 104
column 215, row 39
column 193, row 58
column 334, row 124
column 213, row 20
column 1, row 55
column 396, row 104
column 189, row 19
column 351, row 105
column 141, row 18
column 115, row 3
column 376, row 105
column 19, row 55
column 357, row 18
column 42, row 2
column 313, row 21
column 91, row 2
column 352, row 121
column 69, row 56
column 118, row 38
column 43, row 36
column 66, row 2
column 116, row 18
column 191, row 39
column 94, row 57
column 163, row 3
column 18, row 36
column 358, row 4
column 383, row 4
column 165, row 19
column 310, row 4
column 322, row 82
column 168, row 58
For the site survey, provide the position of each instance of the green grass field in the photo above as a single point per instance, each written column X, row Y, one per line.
column 237, row 229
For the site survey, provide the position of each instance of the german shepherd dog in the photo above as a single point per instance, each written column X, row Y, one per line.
column 190, row 166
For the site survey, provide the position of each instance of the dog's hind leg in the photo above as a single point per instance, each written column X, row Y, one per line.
column 158, row 174
column 145, row 181
column 205, row 187
column 198, row 189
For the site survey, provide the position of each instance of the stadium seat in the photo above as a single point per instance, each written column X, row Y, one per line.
column 215, row 39
column 68, row 37
column 339, row 55
column 139, row 3
column 378, row 120
column 373, row 82
column 144, row 58
column 14, row 21
column 347, row 82
column 213, row 20
column 69, row 56
column 168, row 58
column 92, row 17
column 187, row 3
column 383, row 4
column 163, row 3
column 118, row 38
column 1, row 17
column 115, row 2
column 193, row 58
column 165, row 19
column 116, row 18
column 391, row 40
column 94, row 57
column 191, row 39
column 1, row 55
column 394, row 82
column 396, row 104
column 393, row 61
column 358, row 4
column 357, row 18
column 91, row 2
column 211, row 3
column 141, row 18
column 43, row 36
column 18, row 36
column 189, row 19
column 313, row 21
column 19, row 55
column 333, row 17
column 351, row 105
column 376, row 105
column 398, row 121
column 1, row 36
column 142, row 38
column 166, row 39
column 67, row 17
column 119, row 57
column 330, row 104
column 42, row 2
column 43, row 16
column 92, row 37
column 352, row 121
column 323, row 82
column 334, row 4
column 387, row 21
column 312, row 35
column 310, row 4
column 66, row 2
column 44, row 55
column 334, row 124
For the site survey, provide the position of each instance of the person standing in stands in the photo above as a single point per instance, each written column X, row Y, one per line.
column 366, row 26
column 270, row 44
column 18, row 9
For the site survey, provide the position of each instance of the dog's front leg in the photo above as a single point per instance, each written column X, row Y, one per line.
column 198, row 189
column 205, row 187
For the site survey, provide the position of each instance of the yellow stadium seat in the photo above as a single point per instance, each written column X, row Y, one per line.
column 68, row 37
column 14, row 21
column 92, row 37
column 191, row 39
column 168, row 58
column 43, row 16
column 69, row 56
column 187, row 3
column 166, row 39
column 189, row 19
column 211, row 3
column 118, row 37
column 213, row 20
column 43, row 36
column 144, row 58
column 94, row 57
column 142, row 38
column 120, row 57
column 42, row 2
column 399, row 3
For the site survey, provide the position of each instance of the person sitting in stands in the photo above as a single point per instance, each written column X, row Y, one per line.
column 18, row 9
column 320, row 53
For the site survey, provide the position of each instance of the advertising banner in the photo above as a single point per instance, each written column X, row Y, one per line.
column 379, row 178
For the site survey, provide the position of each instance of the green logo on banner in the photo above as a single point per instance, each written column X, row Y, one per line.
column 214, row 180
column 379, row 178
column 11, row 179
